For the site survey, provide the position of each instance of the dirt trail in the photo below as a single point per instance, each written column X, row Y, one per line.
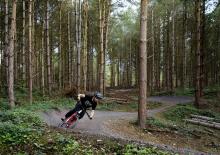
column 101, row 124
column 97, row 125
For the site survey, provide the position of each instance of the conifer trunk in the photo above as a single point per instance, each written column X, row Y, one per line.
column 101, row 63
column 198, row 5
column 85, row 8
column 143, row 68
column 6, row 54
column 48, row 49
column 60, row 48
column 10, row 51
column 23, row 43
column 30, row 50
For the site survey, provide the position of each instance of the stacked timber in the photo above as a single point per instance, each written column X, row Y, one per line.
column 204, row 121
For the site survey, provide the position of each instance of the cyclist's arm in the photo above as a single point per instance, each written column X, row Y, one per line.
column 93, row 110
column 92, row 113
column 80, row 95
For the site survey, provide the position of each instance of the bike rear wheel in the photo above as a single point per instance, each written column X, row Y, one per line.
column 63, row 125
column 71, row 122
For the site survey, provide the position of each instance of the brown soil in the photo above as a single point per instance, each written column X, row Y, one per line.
column 203, row 142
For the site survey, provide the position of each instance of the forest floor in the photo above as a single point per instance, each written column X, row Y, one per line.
column 121, row 125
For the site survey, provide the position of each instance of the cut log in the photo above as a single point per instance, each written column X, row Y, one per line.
column 205, row 121
column 202, row 117
column 207, row 124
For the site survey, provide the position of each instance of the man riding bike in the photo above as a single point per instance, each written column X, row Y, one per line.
column 85, row 101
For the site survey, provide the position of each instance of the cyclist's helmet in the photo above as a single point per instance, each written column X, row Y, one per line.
column 98, row 95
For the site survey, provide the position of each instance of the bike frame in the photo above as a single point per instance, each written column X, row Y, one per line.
column 72, row 121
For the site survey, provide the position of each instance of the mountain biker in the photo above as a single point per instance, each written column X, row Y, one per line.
column 85, row 101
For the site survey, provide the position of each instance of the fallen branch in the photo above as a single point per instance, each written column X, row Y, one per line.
column 206, row 121
column 158, row 130
column 207, row 124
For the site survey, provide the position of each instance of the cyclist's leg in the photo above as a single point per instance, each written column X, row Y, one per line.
column 77, row 108
column 70, row 113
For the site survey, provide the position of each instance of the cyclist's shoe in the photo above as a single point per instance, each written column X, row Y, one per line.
column 63, row 119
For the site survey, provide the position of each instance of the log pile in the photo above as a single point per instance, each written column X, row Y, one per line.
column 204, row 121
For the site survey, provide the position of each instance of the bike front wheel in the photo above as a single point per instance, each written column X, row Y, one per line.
column 74, row 123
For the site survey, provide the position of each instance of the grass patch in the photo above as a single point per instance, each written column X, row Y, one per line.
column 50, row 104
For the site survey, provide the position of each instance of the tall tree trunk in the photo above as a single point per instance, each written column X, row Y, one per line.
column 78, row 41
column 60, row 47
column 203, row 75
column 153, row 51
column 78, row 37
column 106, row 14
column 51, row 56
column 173, row 42
column 69, row 51
column 101, row 63
column 2, row 57
column 217, row 73
column 169, row 59
column 15, row 56
column 183, row 55
column 198, row 5
column 6, row 54
column 118, row 72
column 30, row 50
column 143, row 73
column 130, row 63
column 35, row 51
column 158, row 55
column 10, row 51
column 23, row 43
column 43, row 57
column 90, row 83
column 48, row 49
column 85, row 15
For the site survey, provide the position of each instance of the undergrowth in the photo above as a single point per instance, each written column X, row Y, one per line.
column 180, row 112
column 173, row 120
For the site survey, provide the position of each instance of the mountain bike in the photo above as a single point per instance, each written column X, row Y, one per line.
column 73, row 120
